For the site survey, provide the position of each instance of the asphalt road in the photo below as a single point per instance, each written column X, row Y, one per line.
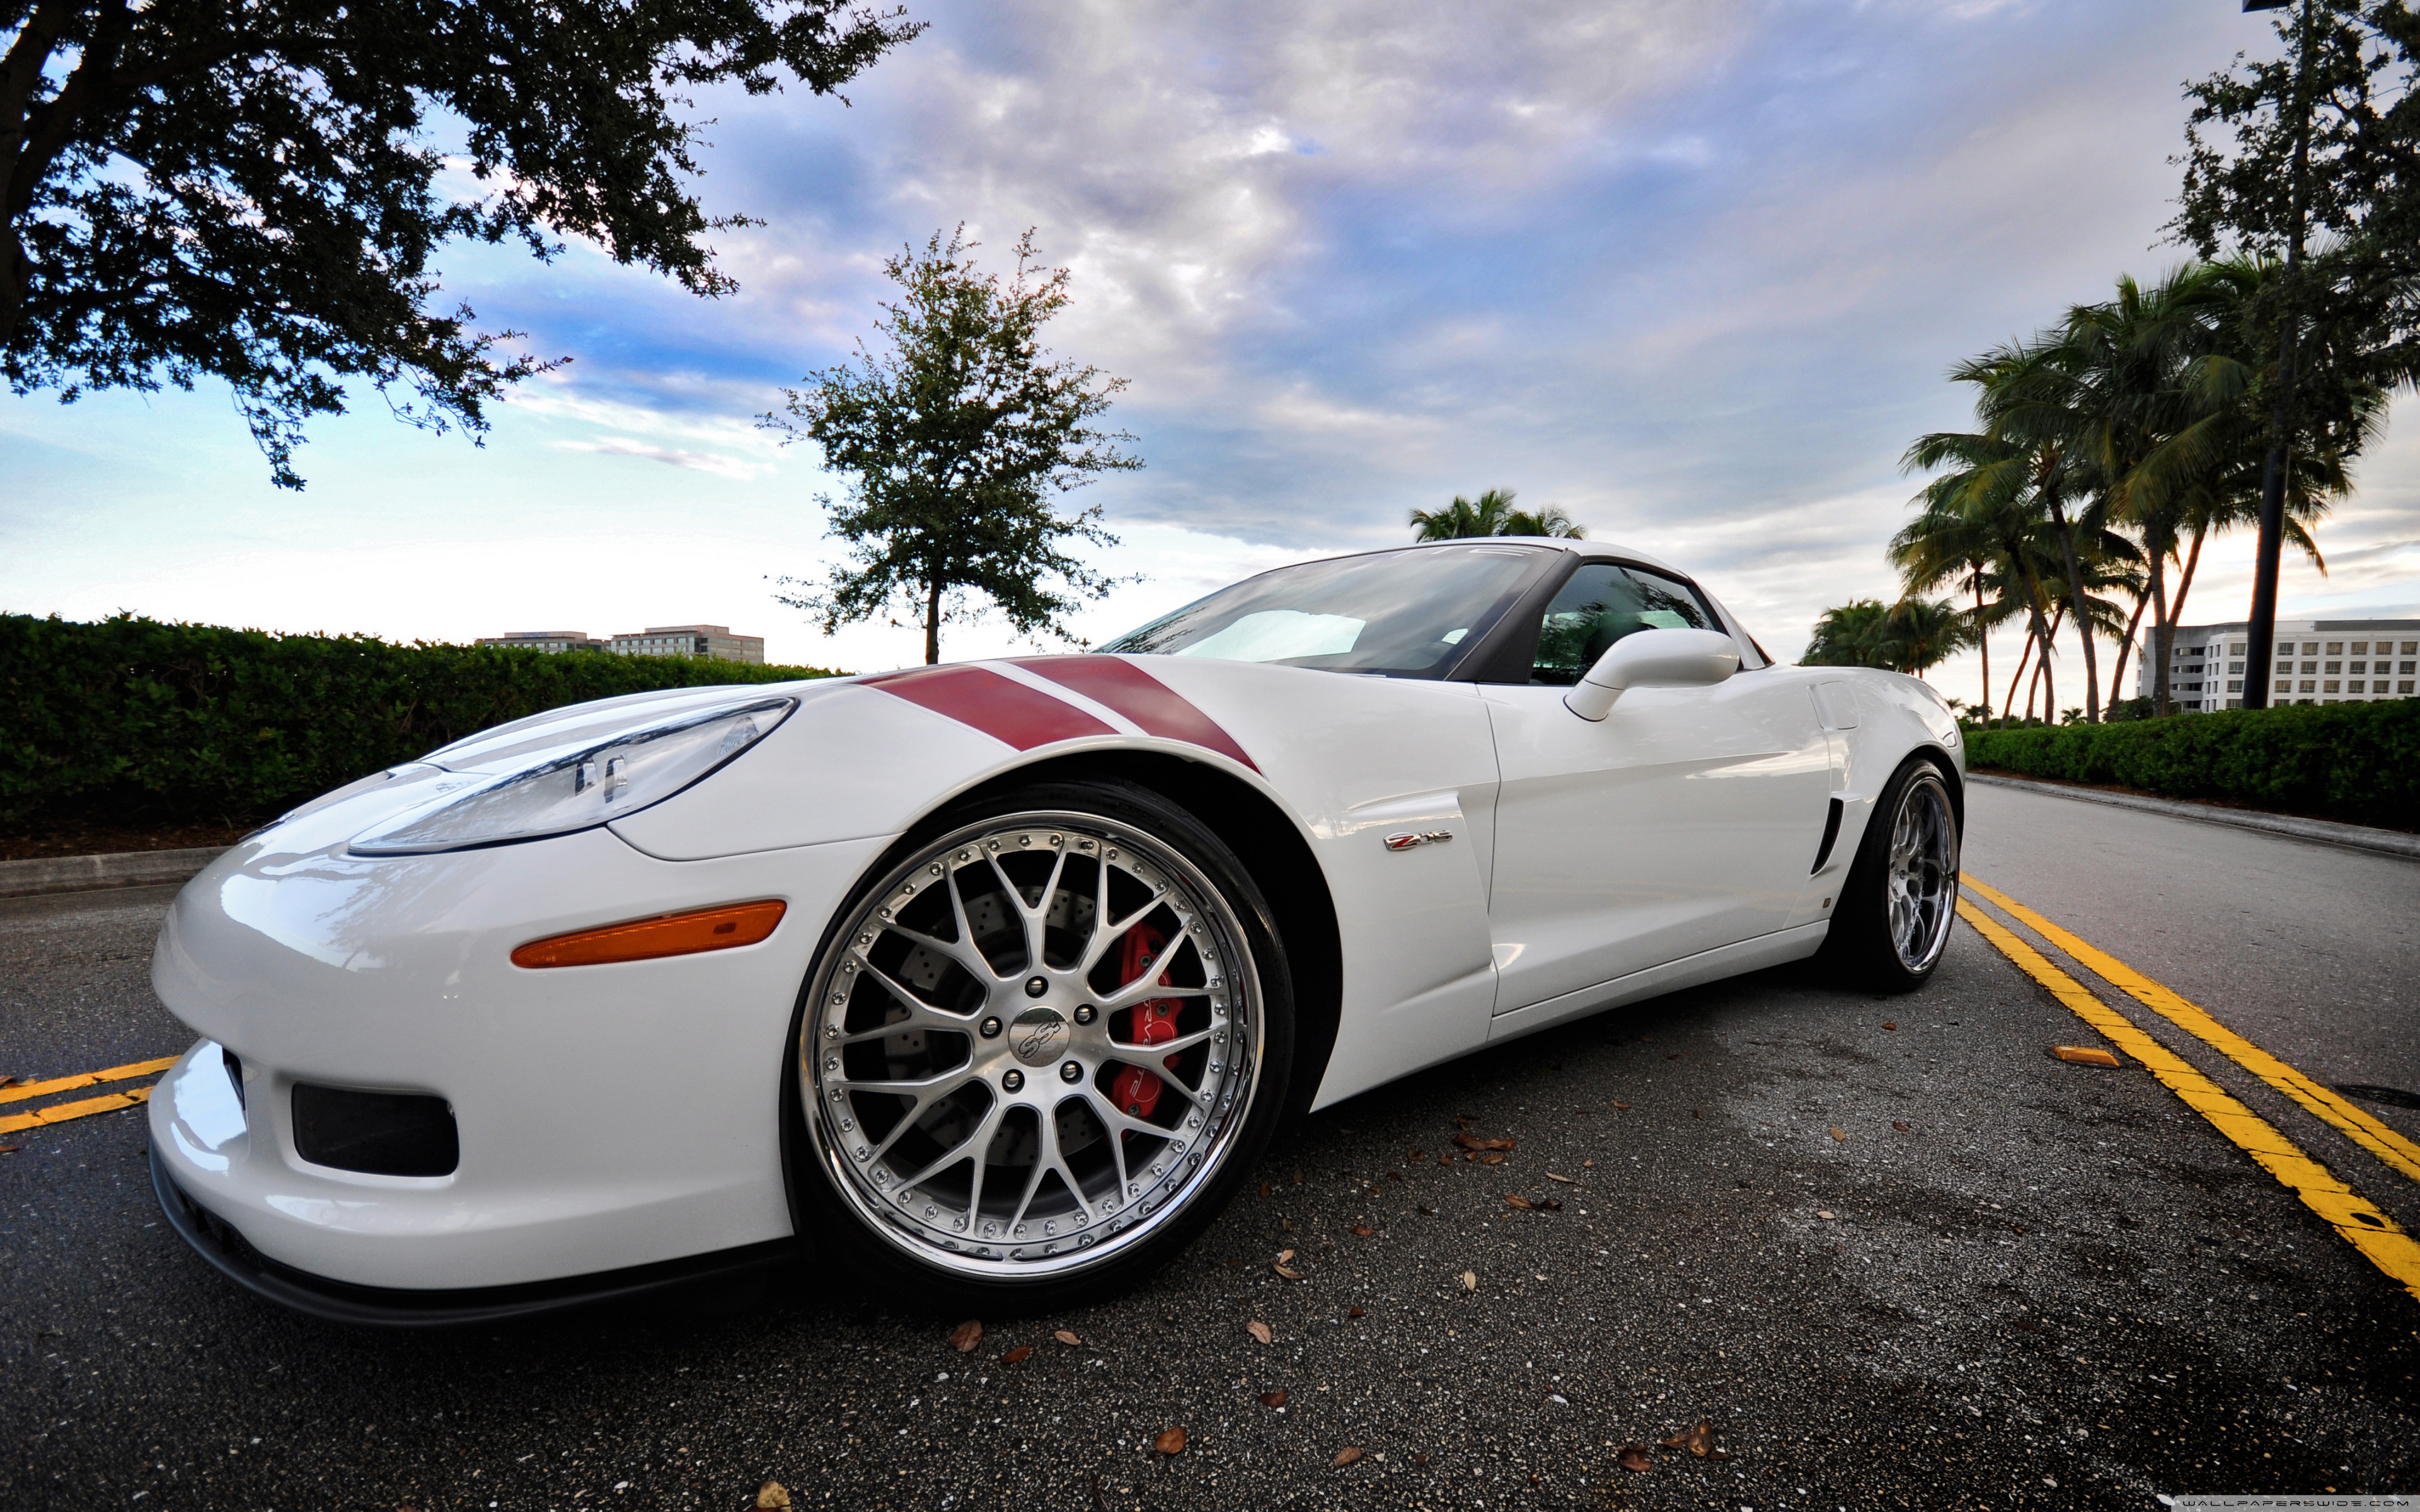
column 1891, row 1251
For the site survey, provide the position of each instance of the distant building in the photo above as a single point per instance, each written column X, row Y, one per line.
column 545, row 641
column 713, row 642
column 2317, row 661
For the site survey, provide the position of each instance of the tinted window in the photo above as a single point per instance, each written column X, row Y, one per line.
column 1402, row 613
column 1603, row 602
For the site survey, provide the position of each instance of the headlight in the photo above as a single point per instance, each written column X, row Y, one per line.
column 559, row 790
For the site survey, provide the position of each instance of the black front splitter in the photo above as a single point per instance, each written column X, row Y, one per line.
column 340, row 1301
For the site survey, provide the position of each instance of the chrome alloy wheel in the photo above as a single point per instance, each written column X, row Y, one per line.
column 1035, row 1040
column 1922, row 887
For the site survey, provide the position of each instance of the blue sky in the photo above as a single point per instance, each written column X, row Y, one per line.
column 1691, row 269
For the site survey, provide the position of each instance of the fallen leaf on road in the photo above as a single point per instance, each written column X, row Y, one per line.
column 1473, row 1142
column 1444, row 1158
column 1281, row 1268
column 1837, row 1137
column 1470, row 1281
column 1344, row 1457
column 1018, row 1355
column 1259, row 1331
column 8, row 1080
column 1557, row 1176
column 10, row 1149
column 1264, row 1189
column 1623, row 1107
column 1634, row 1458
column 1588, row 1164
column 965, row 1335
column 1825, row 1212
column 771, row 1494
column 1697, row 1113
column 1516, row 1200
column 1273, row 1398
column 1424, row 1207
column 2085, row 1054
column 1355, row 1312
column 1696, row 1440
column 1887, row 1025
column 1494, row 1157
column 1170, row 1442
column 1066, row 1336
column 1362, row 1230
column 1533, row 1204
column 1419, row 1155
column 1900, row 1127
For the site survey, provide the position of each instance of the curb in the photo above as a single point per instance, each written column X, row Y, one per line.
column 2325, row 831
column 82, row 874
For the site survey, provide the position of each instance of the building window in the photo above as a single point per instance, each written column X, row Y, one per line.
column 2235, row 684
column 2236, row 649
column 2310, row 666
column 2336, row 648
column 2403, row 687
column 2328, row 687
column 2309, row 686
column 2234, row 667
column 2353, row 686
column 2360, row 648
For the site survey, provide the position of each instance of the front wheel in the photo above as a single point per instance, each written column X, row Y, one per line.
column 1038, row 1051
column 1893, row 921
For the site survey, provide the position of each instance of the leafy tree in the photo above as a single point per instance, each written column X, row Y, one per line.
column 252, row 189
column 956, row 437
column 2312, row 160
column 1492, row 514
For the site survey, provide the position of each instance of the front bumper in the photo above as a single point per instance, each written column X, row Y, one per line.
column 218, row 1242
column 611, row 1117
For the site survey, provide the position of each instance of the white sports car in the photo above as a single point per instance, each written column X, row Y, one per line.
column 991, row 981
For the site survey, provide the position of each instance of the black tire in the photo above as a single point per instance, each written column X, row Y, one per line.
column 1869, row 946
column 1225, row 968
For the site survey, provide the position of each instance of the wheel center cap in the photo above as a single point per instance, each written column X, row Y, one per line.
column 1038, row 1035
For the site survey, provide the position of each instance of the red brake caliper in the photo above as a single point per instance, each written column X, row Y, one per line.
column 1135, row 1089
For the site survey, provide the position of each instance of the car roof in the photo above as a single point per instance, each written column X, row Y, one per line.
column 1594, row 549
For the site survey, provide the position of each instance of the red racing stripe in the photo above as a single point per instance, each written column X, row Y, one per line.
column 1004, row 709
column 1136, row 694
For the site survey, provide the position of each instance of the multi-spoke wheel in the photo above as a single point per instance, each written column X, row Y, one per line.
column 1894, row 909
column 1042, row 1044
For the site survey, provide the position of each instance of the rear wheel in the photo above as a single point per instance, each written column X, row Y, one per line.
column 1039, row 1050
column 1893, row 920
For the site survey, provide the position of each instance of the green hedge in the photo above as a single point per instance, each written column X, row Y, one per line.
column 2359, row 762
column 134, row 721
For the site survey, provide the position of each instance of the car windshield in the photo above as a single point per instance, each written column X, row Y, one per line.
column 1407, row 613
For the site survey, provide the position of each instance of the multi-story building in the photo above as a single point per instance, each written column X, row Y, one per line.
column 714, row 642
column 551, row 640
column 2317, row 661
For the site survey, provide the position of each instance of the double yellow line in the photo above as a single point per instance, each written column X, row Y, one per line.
column 2376, row 1236
column 83, row 1108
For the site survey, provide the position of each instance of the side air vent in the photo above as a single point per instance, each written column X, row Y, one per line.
column 383, row 1134
column 234, row 1071
column 1831, row 833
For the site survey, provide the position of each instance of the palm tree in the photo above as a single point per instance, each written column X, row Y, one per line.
column 1923, row 633
column 1852, row 635
column 1549, row 521
column 1463, row 518
column 1907, row 637
column 1491, row 514
column 1980, row 520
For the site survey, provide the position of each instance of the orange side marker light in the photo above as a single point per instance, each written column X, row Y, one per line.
column 646, row 939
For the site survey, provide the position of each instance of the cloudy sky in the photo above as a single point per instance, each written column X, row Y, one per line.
column 1690, row 269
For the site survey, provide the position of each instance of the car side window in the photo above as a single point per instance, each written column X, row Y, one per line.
column 1603, row 602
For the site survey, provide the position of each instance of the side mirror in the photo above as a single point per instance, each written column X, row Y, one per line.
column 1652, row 658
